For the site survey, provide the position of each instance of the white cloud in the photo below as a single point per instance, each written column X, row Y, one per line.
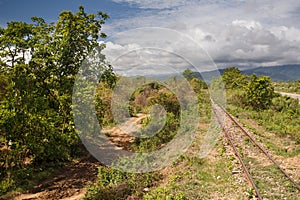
column 233, row 32
column 286, row 33
column 251, row 25
column 154, row 4
column 156, row 48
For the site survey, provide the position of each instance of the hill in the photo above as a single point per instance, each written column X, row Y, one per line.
column 277, row 73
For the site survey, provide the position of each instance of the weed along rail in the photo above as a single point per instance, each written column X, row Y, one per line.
column 265, row 175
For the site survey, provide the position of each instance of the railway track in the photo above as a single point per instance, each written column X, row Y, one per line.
column 264, row 174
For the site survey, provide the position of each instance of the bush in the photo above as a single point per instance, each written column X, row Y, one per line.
column 259, row 92
column 114, row 184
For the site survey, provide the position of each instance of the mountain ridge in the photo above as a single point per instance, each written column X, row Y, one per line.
column 284, row 73
column 277, row 73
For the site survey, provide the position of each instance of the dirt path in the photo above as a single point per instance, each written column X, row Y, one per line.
column 120, row 135
column 69, row 182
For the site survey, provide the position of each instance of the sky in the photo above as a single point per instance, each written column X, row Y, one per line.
column 226, row 33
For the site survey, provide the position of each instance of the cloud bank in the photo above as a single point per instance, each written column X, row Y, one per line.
column 234, row 32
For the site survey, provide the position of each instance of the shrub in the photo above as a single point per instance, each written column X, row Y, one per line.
column 259, row 92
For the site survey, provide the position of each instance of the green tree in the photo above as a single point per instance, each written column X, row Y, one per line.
column 233, row 78
column 41, row 60
column 259, row 92
column 4, row 89
column 15, row 41
column 198, row 84
column 188, row 74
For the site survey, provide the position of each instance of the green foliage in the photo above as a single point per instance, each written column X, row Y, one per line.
column 75, row 35
column 281, row 117
column 259, row 92
column 4, row 85
column 283, row 123
column 233, row 78
column 114, row 184
column 165, row 193
column 237, row 97
column 217, row 90
column 290, row 86
column 276, row 113
column 24, row 179
column 162, row 137
column 198, row 84
column 103, row 103
column 188, row 74
column 151, row 94
column 285, row 104
column 36, row 120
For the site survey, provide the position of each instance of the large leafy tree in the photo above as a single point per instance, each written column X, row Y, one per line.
column 233, row 78
column 189, row 74
column 259, row 92
column 39, row 62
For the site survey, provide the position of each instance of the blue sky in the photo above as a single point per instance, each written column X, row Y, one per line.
column 17, row 10
column 233, row 32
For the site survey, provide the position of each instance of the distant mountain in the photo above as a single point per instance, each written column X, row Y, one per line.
column 277, row 73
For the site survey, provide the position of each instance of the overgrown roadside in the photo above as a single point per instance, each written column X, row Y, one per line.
column 68, row 182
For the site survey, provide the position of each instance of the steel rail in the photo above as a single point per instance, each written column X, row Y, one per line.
column 236, row 152
column 260, row 147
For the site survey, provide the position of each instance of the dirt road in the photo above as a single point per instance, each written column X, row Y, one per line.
column 70, row 181
column 295, row 96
